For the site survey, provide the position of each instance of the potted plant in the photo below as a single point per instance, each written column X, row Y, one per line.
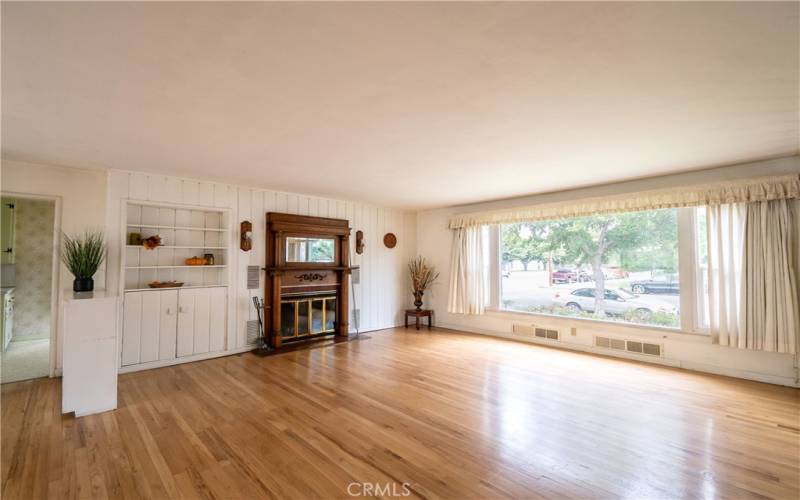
column 422, row 277
column 83, row 255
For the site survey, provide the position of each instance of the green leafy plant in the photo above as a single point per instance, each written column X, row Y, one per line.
column 83, row 254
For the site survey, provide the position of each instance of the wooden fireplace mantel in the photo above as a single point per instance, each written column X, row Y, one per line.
column 286, row 280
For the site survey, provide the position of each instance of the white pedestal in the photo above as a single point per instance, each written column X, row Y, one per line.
column 89, row 383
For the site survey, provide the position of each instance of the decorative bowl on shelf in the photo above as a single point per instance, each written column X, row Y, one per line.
column 165, row 284
column 196, row 261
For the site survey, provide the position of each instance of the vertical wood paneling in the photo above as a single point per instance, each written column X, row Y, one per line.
column 138, row 189
column 241, row 301
column 282, row 202
column 157, row 188
column 118, row 190
column 205, row 194
column 223, row 197
column 190, row 191
column 173, row 191
column 380, row 296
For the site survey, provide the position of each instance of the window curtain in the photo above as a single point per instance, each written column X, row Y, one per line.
column 467, row 290
column 726, row 228
column 719, row 193
column 753, row 266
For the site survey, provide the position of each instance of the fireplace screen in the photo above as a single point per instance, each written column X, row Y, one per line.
column 307, row 315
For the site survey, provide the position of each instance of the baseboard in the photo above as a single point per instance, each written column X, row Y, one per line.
column 698, row 367
column 185, row 359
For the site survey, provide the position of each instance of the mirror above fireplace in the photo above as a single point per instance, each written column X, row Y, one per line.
column 318, row 250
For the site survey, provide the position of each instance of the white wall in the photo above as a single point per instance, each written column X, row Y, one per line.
column 680, row 349
column 380, row 296
column 81, row 203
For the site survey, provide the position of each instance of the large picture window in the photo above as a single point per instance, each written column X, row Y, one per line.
column 618, row 267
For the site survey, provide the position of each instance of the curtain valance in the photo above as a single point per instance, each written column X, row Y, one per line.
column 737, row 191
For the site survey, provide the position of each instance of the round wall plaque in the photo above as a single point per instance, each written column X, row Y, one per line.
column 390, row 240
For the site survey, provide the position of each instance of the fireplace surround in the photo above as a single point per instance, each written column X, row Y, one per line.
column 306, row 290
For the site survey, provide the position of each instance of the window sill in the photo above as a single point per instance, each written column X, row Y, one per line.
column 596, row 324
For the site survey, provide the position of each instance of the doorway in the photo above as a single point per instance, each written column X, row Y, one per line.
column 27, row 231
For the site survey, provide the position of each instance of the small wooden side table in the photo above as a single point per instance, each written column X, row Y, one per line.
column 420, row 314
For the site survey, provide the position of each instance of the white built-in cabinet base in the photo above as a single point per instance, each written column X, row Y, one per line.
column 164, row 325
column 89, row 383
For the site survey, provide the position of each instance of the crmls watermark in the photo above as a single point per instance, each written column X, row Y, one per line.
column 379, row 489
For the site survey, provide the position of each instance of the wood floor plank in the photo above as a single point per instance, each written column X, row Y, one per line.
column 450, row 415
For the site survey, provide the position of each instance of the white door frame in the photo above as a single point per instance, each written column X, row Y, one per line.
column 55, row 269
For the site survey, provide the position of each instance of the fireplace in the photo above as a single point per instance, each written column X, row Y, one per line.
column 306, row 294
column 304, row 315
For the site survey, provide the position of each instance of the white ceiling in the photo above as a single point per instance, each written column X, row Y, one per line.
column 408, row 105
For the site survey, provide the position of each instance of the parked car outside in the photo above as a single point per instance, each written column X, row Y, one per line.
column 569, row 275
column 617, row 302
column 667, row 283
column 615, row 273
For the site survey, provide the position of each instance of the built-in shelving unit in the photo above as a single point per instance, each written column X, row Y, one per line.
column 185, row 233
column 164, row 326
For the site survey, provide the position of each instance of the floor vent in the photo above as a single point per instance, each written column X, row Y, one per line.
column 628, row 345
column 544, row 333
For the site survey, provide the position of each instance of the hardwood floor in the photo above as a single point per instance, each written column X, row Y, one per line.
column 452, row 415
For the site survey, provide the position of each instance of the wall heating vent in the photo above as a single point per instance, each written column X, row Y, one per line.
column 628, row 345
column 253, row 277
column 544, row 333
column 253, row 331
column 522, row 329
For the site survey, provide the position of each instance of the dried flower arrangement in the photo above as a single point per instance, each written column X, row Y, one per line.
column 422, row 277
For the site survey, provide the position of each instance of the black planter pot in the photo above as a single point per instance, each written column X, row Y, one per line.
column 83, row 285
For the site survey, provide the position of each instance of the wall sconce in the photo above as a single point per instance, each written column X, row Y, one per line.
column 246, row 240
column 359, row 242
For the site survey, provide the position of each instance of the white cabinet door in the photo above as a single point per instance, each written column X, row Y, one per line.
column 168, row 325
column 202, row 310
column 217, row 321
column 163, row 325
column 132, row 327
column 185, row 341
column 202, row 320
column 149, row 324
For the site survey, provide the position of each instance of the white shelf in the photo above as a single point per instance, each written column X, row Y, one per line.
column 148, row 289
column 177, row 228
column 184, row 266
column 180, row 247
column 184, row 232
